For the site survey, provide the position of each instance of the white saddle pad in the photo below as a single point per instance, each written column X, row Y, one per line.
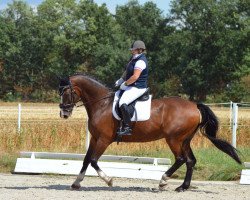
column 143, row 109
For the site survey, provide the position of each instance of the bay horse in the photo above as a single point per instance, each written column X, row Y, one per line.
column 175, row 119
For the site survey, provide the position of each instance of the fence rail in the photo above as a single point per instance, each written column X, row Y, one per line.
column 49, row 155
column 115, row 166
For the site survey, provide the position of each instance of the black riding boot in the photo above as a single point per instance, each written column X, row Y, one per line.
column 126, row 129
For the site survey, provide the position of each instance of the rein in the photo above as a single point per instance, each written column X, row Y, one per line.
column 110, row 94
column 72, row 103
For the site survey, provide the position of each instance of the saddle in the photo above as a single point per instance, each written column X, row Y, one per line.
column 131, row 107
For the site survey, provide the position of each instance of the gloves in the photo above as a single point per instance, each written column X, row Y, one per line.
column 123, row 86
column 119, row 82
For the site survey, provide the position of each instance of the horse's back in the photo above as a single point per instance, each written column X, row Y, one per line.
column 177, row 113
column 175, row 102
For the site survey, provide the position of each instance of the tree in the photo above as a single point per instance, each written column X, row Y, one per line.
column 61, row 36
column 5, row 43
column 108, row 55
column 213, row 39
column 19, row 64
column 146, row 22
column 201, row 49
column 77, row 38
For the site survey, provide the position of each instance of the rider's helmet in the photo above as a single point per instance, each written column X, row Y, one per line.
column 138, row 44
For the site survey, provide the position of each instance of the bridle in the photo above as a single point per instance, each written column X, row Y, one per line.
column 68, row 107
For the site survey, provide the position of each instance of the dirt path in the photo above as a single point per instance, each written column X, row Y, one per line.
column 57, row 187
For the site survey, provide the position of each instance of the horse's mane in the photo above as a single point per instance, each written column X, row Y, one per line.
column 92, row 78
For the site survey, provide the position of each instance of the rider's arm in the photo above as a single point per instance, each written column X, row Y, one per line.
column 134, row 77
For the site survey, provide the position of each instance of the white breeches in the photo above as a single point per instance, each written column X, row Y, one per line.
column 130, row 94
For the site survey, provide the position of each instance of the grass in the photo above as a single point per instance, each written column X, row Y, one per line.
column 211, row 164
column 43, row 130
column 7, row 162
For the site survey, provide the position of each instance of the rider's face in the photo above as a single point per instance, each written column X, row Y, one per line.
column 134, row 51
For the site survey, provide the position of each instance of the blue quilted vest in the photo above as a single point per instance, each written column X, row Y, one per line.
column 141, row 82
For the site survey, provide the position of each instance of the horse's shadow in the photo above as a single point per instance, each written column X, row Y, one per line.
column 104, row 188
column 92, row 189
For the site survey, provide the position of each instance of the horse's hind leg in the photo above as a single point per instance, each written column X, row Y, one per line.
column 176, row 148
column 190, row 163
column 86, row 162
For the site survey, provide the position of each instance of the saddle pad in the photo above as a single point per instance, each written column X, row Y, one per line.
column 142, row 108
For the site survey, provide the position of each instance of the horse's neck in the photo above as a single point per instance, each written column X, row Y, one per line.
column 93, row 95
column 93, row 90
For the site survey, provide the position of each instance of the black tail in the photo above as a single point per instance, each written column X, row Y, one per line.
column 209, row 127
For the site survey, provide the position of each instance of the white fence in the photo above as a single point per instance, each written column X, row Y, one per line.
column 114, row 166
column 245, row 174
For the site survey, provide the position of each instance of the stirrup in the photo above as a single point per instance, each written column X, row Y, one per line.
column 124, row 131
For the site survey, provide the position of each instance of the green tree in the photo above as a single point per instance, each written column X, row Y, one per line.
column 5, row 43
column 61, row 36
column 19, row 63
column 146, row 22
column 108, row 52
column 79, row 37
column 213, row 39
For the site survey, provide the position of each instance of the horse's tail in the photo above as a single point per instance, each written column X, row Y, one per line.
column 209, row 127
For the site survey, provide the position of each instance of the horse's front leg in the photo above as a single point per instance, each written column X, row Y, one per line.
column 101, row 146
column 76, row 185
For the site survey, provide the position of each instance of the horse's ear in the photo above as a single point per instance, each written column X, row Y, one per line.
column 59, row 77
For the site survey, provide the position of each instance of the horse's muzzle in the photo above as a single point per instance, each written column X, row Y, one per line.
column 64, row 114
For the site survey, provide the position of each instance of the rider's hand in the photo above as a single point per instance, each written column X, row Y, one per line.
column 119, row 82
column 123, row 86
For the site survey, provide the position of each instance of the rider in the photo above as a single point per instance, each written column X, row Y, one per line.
column 133, row 82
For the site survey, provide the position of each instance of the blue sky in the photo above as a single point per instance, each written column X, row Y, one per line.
column 164, row 5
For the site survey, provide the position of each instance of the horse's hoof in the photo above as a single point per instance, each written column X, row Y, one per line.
column 180, row 189
column 110, row 183
column 162, row 186
column 75, row 187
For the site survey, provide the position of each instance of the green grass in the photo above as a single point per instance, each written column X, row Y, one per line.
column 215, row 165
column 7, row 162
column 212, row 164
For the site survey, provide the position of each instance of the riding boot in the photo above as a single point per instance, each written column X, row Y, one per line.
column 126, row 129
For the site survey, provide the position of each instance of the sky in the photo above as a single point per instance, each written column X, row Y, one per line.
column 163, row 5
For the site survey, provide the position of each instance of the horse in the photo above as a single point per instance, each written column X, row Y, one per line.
column 174, row 119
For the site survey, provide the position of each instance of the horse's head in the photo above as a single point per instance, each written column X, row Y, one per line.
column 69, row 98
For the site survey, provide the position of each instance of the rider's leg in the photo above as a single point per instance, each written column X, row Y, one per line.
column 129, row 95
column 126, row 129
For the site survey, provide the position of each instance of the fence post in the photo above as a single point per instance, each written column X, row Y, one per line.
column 87, row 136
column 231, row 113
column 19, row 118
column 235, row 123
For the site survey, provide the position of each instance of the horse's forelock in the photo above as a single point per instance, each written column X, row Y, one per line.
column 64, row 81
